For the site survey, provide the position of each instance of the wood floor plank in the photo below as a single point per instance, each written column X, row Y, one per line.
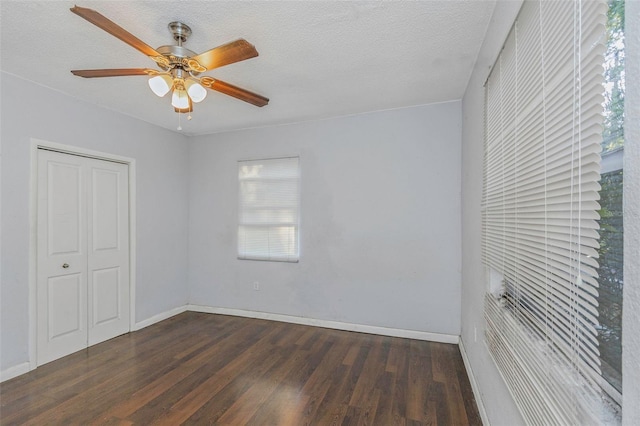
column 198, row 368
column 419, row 376
column 384, row 411
column 402, row 384
column 437, row 395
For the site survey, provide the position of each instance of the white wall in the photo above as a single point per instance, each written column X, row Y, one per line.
column 631, row 307
column 31, row 111
column 380, row 214
column 499, row 405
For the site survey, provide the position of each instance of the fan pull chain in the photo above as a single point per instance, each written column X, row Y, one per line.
column 179, row 122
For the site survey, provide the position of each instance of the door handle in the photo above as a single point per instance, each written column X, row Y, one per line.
column 65, row 265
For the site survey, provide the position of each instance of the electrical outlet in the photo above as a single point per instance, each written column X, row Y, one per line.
column 256, row 285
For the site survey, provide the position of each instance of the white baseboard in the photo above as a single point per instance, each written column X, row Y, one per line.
column 474, row 385
column 361, row 328
column 371, row 329
column 159, row 317
column 14, row 371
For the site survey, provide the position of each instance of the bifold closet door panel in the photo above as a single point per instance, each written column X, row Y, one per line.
column 62, row 256
column 108, row 246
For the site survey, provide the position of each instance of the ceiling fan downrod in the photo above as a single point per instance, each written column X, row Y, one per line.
column 180, row 32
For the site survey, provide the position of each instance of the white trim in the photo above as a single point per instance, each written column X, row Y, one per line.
column 33, row 256
column 159, row 317
column 33, row 212
column 14, row 371
column 474, row 385
column 360, row 328
column 132, row 244
column 74, row 150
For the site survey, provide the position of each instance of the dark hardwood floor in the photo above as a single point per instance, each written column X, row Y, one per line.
column 212, row 369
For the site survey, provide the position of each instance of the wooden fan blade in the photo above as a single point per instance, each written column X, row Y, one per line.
column 115, row 30
column 114, row 72
column 236, row 92
column 226, row 54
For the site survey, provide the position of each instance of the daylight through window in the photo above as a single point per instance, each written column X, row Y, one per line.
column 269, row 209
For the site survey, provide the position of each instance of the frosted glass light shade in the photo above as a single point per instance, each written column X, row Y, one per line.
column 180, row 99
column 196, row 92
column 160, row 84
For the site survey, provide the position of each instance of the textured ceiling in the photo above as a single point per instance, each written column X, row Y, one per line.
column 317, row 59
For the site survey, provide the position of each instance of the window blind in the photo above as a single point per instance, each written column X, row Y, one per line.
column 543, row 129
column 269, row 209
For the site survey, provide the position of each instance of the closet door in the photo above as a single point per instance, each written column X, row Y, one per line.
column 108, row 248
column 62, row 256
column 82, row 251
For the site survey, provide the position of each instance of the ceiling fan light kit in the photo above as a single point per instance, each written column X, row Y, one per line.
column 180, row 99
column 180, row 67
column 196, row 92
column 160, row 84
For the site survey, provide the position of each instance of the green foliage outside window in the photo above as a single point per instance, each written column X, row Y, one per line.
column 611, row 283
column 613, row 135
column 611, row 214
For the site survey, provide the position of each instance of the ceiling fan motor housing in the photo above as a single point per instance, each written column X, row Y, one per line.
column 176, row 56
column 177, row 51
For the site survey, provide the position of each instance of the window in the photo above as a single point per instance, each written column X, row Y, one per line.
column 269, row 209
column 610, row 253
column 541, row 192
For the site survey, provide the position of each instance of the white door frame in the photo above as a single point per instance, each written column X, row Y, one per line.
column 33, row 242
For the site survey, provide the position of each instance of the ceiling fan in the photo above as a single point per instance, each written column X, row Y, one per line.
column 179, row 67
